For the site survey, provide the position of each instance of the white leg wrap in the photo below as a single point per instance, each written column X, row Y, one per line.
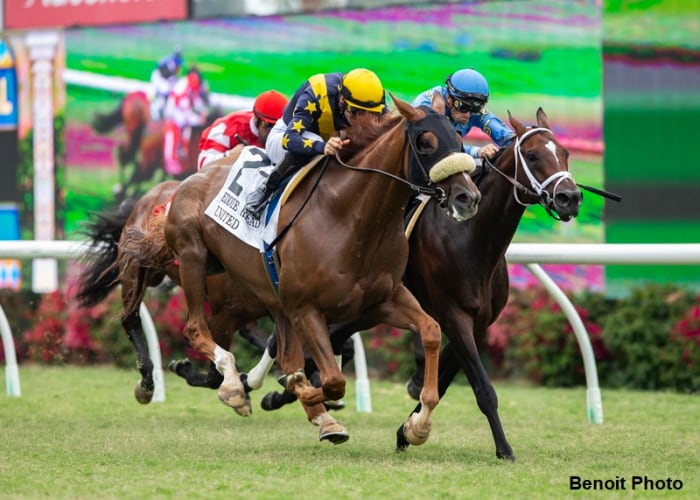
column 226, row 365
column 257, row 375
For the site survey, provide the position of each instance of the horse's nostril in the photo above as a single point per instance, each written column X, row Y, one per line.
column 468, row 198
column 567, row 199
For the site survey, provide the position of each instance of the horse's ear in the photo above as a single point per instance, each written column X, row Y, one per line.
column 542, row 119
column 517, row 126
column 409, row 112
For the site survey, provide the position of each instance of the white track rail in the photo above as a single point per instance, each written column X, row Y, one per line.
column 531, row 254
column 125, row 85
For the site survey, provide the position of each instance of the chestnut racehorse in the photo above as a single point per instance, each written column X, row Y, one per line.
column 111, row 262
column 343, row 257
column 464, row 284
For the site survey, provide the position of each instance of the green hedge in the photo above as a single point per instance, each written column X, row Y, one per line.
column 647, row 340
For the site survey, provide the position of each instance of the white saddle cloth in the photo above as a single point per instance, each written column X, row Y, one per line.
column 251, row 170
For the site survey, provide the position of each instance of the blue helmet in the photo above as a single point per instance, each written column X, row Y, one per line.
column 177, row 58
column 468, row 86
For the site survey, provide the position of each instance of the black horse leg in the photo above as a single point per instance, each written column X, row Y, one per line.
column 253, row 336
column 415, row 383
column 448, row 368
column 487, row 400
column 183, row 368
column 144, row 389
column 342, row 346
column 274, row 400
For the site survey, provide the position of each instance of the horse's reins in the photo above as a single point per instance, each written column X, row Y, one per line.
column 433, row 192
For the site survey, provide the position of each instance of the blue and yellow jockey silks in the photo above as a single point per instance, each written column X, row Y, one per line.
column 315, row 108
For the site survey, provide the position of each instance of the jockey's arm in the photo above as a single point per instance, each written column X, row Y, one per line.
column 492, row 126
column 305, row 118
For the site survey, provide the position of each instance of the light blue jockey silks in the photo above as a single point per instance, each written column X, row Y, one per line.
column 493, row 126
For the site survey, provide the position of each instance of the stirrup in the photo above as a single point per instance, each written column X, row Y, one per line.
column 256, row 201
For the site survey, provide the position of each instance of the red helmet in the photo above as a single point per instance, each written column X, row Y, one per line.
column 269, row 106
column 194, row 81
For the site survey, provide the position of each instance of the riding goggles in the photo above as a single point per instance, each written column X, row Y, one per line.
column 467, row 106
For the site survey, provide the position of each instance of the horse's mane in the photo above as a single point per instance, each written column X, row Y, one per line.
column 365, row 129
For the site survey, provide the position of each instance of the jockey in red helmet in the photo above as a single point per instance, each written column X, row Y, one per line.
column 249, row 127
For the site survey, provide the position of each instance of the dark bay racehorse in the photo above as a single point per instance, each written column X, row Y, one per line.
column 457, row 270
column 465, row 285
column 111, row 262
column 343, row 257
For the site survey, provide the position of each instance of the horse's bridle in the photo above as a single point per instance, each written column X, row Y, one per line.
column 433, row 191
column 537, row 189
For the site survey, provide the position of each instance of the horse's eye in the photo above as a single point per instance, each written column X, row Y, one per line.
column 531, row 156
column 427, row 143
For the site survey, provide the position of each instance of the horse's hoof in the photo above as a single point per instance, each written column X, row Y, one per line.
column 237, row 401
column 143, row 396
column 335, row 405
column 413, row 434
column 505, row 456
column 181, row 367
column 245, row 410
column 330, row 429
column 338, row 436
column 267, row 403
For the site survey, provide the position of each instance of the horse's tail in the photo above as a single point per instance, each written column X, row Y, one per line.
column 150, row 250
column 104, row 122
column 101, row 274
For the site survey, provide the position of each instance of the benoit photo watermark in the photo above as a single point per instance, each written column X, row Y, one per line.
column 618, row 483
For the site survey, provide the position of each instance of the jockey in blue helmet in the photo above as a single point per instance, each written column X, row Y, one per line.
column 463, row 99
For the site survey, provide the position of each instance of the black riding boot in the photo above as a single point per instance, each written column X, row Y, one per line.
column 256, row 200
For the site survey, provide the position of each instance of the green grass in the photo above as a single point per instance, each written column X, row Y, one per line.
column 78, row 433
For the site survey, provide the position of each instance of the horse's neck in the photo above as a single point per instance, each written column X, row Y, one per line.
column 499, row 214
column 372, row 193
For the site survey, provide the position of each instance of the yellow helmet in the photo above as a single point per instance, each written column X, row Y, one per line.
column 362, row 89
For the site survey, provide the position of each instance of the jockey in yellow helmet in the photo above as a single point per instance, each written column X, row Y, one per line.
column 323, row 106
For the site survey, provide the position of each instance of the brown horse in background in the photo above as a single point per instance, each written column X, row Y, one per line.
column 134, row 113
column 353, row 270
column 143, row 148
column 110, row 262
